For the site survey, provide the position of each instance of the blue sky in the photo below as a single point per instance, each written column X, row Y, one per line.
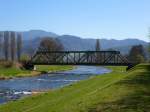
column 117, row 19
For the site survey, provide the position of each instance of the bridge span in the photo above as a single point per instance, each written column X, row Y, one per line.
column 104, row 58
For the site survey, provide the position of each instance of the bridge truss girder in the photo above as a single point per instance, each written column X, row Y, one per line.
column 78, row 58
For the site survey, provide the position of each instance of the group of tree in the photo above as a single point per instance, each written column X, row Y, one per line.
column 51, row 44
column 137, row 54
column 10, row 45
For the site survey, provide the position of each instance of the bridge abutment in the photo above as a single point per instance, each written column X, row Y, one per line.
column 28, row 66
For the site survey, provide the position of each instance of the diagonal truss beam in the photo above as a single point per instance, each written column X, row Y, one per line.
column 78, row 58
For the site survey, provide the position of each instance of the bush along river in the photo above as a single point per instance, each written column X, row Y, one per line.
column 13, row 89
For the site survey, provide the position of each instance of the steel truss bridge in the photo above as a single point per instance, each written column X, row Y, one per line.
column 105, row 58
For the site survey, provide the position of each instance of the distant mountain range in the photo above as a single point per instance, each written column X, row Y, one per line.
column 32, row 39
column 77, row 43
column 71, row 42
column 33, row 34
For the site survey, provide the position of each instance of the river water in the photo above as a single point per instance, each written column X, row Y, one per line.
column 13, row 89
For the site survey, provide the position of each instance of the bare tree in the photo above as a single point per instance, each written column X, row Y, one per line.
column 51, row 44
column 97, row 46
column 6, row 45
column 1, row 44
column 19, row 45
column 13, row 46
column 30, row 50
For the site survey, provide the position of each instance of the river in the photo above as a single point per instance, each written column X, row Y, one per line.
column 13, row 89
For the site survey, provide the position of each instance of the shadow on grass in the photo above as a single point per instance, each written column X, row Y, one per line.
column 136, row 101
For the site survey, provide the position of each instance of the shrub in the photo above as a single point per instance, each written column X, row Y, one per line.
column 6, row 64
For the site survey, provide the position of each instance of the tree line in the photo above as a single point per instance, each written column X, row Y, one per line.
column 10, row 45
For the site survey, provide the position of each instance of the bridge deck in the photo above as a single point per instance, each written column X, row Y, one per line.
column 88, row 64
column 47, row 51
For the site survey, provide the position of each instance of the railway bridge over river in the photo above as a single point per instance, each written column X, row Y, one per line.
column 103, row 58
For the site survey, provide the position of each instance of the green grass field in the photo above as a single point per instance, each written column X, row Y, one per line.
column 12, row 72
column 119, row 91
column 17, row 72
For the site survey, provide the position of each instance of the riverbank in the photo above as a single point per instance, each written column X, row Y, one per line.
column 119, row 91
column 13, row 72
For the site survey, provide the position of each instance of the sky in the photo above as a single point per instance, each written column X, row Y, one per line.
column 110, row 19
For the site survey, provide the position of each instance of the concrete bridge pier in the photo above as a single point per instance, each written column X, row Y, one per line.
column 34, row 67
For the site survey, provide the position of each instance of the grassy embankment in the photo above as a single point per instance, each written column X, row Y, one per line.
column 119, row 91
column 13, row 71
